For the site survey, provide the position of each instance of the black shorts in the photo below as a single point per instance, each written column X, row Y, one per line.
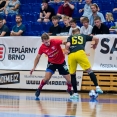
column 62, row 68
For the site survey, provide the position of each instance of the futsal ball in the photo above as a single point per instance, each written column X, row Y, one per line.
column 93, row 94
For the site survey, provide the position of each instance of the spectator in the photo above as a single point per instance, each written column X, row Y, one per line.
column 65, row 10
column 4, row 30
column 55, row 1
column 86, row 29
column 94, row 8
column 46, row 12
column 99, row 27
column 73, row 25
column 109, row 20
column 12, row 7
column 1, row 17
column 87, row 9
column 55, row 29
column 19, row 28
column 2, row 6
column 66, row 27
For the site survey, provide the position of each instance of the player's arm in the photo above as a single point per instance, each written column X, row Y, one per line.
column 96, row 40
column 36, row 61
column 67, row 46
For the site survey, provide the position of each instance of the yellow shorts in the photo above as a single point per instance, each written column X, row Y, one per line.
column 76, row 58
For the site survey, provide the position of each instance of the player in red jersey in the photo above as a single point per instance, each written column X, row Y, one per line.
column 56, row 60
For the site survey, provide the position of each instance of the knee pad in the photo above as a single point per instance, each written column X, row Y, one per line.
column 89, row 71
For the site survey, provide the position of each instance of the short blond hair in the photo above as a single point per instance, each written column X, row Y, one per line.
column 66, row 17
column 75, row 30
column 110, row 16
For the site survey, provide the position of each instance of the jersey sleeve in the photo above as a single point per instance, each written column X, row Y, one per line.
column 40, row 50
column 89, row 38
column 58, row 41
column 69, row 39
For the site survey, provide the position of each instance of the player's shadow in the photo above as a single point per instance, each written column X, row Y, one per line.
column 71, row 109
column 93, row 104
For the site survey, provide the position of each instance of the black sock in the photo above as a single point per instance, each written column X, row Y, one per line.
column 74, row 83
column 93, row 78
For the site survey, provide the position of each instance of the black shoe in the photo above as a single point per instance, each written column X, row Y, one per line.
column 37, row 93
column 70, row 92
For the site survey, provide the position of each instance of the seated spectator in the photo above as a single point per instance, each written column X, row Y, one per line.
column 55, row 29
column 99, row 27
column 4, row 30
column 86, row 29
column 1, row 17
column 55, row 1
column 109, row 20
column 12, row 7
column 65, row 10
column 73, row 25
column 2, row 6
column 87, row 9
column 19, row 28
column 46, row 12
column 94, row 8
column 67, row 26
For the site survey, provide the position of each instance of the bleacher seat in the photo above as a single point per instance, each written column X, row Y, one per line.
column 37, row 27
column 46, row 26
column 30, row 10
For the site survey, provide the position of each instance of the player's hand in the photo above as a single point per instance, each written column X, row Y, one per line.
column 94, row 46
column 32, row 71
column 66, row 52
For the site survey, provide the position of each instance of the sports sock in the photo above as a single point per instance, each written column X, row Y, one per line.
column 74, row 83
column 41, row 85
column 93, row 78
column 69, row 86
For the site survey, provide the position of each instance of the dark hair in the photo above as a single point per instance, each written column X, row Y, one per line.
column 45, row 1
column 45, row 36
column 73, row 21
column 97, row 18
column 55, row 17
column 1, row 19
column 18, row 15
column 85, row 19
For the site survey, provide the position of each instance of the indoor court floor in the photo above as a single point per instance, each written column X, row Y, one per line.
column 55, row 104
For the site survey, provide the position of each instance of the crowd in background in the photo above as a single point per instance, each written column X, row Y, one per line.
column 92, row 21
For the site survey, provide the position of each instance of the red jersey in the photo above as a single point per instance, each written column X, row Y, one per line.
column 65, row 10
column 54, row 51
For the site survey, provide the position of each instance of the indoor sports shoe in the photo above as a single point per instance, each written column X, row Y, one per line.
column 74, row 96
column 70, row 92
column 37, row 93
column 99, row 90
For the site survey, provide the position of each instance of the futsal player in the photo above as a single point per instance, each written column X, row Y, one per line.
column 56, row 60
column 76, row 55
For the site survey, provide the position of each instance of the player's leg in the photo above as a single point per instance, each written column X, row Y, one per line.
column 94, row 80
column 43, row 82
column 85, row 64
column 72, row 63
column 49, row 72
column 63, row 70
